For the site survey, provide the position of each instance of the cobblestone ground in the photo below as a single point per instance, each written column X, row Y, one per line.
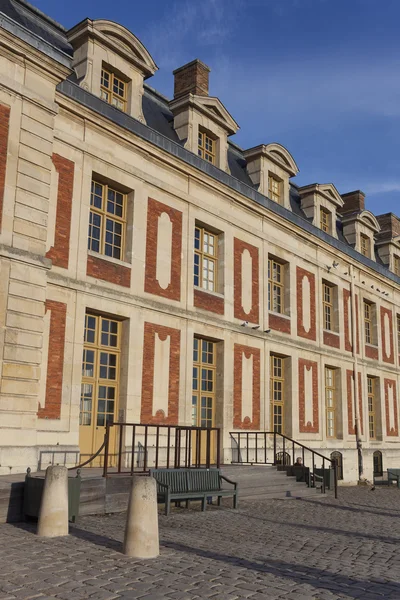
column 317, row 548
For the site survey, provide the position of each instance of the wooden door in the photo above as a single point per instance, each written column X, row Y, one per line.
column 99, row 390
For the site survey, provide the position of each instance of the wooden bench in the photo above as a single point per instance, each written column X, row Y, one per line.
column 191, row 484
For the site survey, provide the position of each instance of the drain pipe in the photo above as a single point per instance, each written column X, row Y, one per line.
column 357, row 424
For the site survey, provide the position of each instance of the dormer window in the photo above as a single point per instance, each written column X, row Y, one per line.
column 206, row 147
column 325, row 220
column 396, row 265
column 113, row 89
column 274, row 188
column 365, row 245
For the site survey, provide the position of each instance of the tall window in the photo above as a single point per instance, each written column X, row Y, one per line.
column 277, row 393
column 107, row 220
column 325, row 220
column 276, row 273
column 206, row 147
column 327, row 302
column 396, row 265
column 330, row 402
column 368, row 322
column 398, row 332
column 205, row 259
column 274, row 188
column 203, row 384
column 365, row 245
column 100, row 371
column 113, row 89
column 371, row 407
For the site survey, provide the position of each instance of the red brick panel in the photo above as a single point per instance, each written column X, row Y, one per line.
column 391, row 431
column 311, row 334
column 154, row 211
column 4, row 125
column 150, row 331
column 350, row 394
column 209, row 302
column 59, row 253
column 108, row 271
column 55, row 362
column 278, row 323
column 239, row 351
column 346, row 317
column 238, row 248
column 387, row 358
column 371, row 352
column 331, row 339
column 314, row 426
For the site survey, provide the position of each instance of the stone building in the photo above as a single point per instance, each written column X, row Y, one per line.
column 135, row 234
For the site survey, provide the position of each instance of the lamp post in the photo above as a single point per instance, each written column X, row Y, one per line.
column 357, row 420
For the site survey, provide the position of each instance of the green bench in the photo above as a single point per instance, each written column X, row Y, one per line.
column 191, row 484
column 393, row 476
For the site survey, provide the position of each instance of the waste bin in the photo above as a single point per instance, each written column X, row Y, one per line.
column 33, row 495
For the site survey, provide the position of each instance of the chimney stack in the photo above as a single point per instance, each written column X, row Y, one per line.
column 192, row 78
column 354, row 202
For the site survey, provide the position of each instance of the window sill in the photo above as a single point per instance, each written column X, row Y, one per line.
column 375, row 346
column 331, row 332
column 114, row 261
column 280, row 315
column 200, row 289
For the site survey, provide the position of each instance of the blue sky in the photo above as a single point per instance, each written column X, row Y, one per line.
column 321, row 77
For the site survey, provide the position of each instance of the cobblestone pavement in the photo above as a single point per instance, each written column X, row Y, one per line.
column 317, row 548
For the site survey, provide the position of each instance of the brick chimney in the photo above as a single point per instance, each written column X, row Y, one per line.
column 390, row 226
column 191, row 78
column 353, row 202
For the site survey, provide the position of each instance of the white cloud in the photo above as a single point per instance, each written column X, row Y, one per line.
column 381, row 187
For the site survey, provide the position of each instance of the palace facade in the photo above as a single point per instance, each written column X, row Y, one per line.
column 152, row 271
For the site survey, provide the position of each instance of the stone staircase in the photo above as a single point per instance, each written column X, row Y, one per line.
column 262, row 482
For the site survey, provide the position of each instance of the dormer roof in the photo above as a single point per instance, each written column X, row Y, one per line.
column 327, row 190
column 116, row 38
column 277, row 154
column 208, row 105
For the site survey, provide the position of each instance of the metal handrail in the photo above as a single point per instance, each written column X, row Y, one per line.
column 287, row 444
column 89, row 460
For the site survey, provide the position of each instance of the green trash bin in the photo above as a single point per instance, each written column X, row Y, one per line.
column 33, row 491
column 328, row 475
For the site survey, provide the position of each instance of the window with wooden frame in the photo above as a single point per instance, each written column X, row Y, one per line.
column 396, row 265
column 371, row 385
column 100, row 370
column 365, row 245
column 330, row 402
column 205, row 259
column 398, row 332
column 107, row 221
column 325, row 220
column 368, row 325
column 274, row 188
column 276, row 286
column 277, row 390
column 206, row 147
column 203, row 383
column 113, row 89
column 328, row 306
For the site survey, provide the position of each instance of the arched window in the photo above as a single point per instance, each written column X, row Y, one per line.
column 378, row 464
column 338, row 458
column 283, row 458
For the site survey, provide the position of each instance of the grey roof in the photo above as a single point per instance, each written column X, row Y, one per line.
column 38, row 23
column 157, row 113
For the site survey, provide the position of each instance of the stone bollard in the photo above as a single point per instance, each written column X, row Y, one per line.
column 53, row 514
column 141, row 531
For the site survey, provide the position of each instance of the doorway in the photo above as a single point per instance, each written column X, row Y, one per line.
column 203, row 398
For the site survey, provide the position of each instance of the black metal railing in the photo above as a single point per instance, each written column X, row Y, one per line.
column 273, row 448
column 141, row 447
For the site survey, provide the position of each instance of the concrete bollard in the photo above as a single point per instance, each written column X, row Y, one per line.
column 53, row 514
column 141, row 531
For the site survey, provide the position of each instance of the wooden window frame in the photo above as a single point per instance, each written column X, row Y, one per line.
column 276, row 303
column 371, row 394
column 396, row 265
column 330, row 402
column 277, row 376
column 365, row 245
column 108, row 94
column 328, row 306
column 203, row 259
column 198, row 394
column 273, row 194
column 325, row 217
column 206, row 146
column 104, row 215
column 368, row 323
column 398, row 332
column 98, row 348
